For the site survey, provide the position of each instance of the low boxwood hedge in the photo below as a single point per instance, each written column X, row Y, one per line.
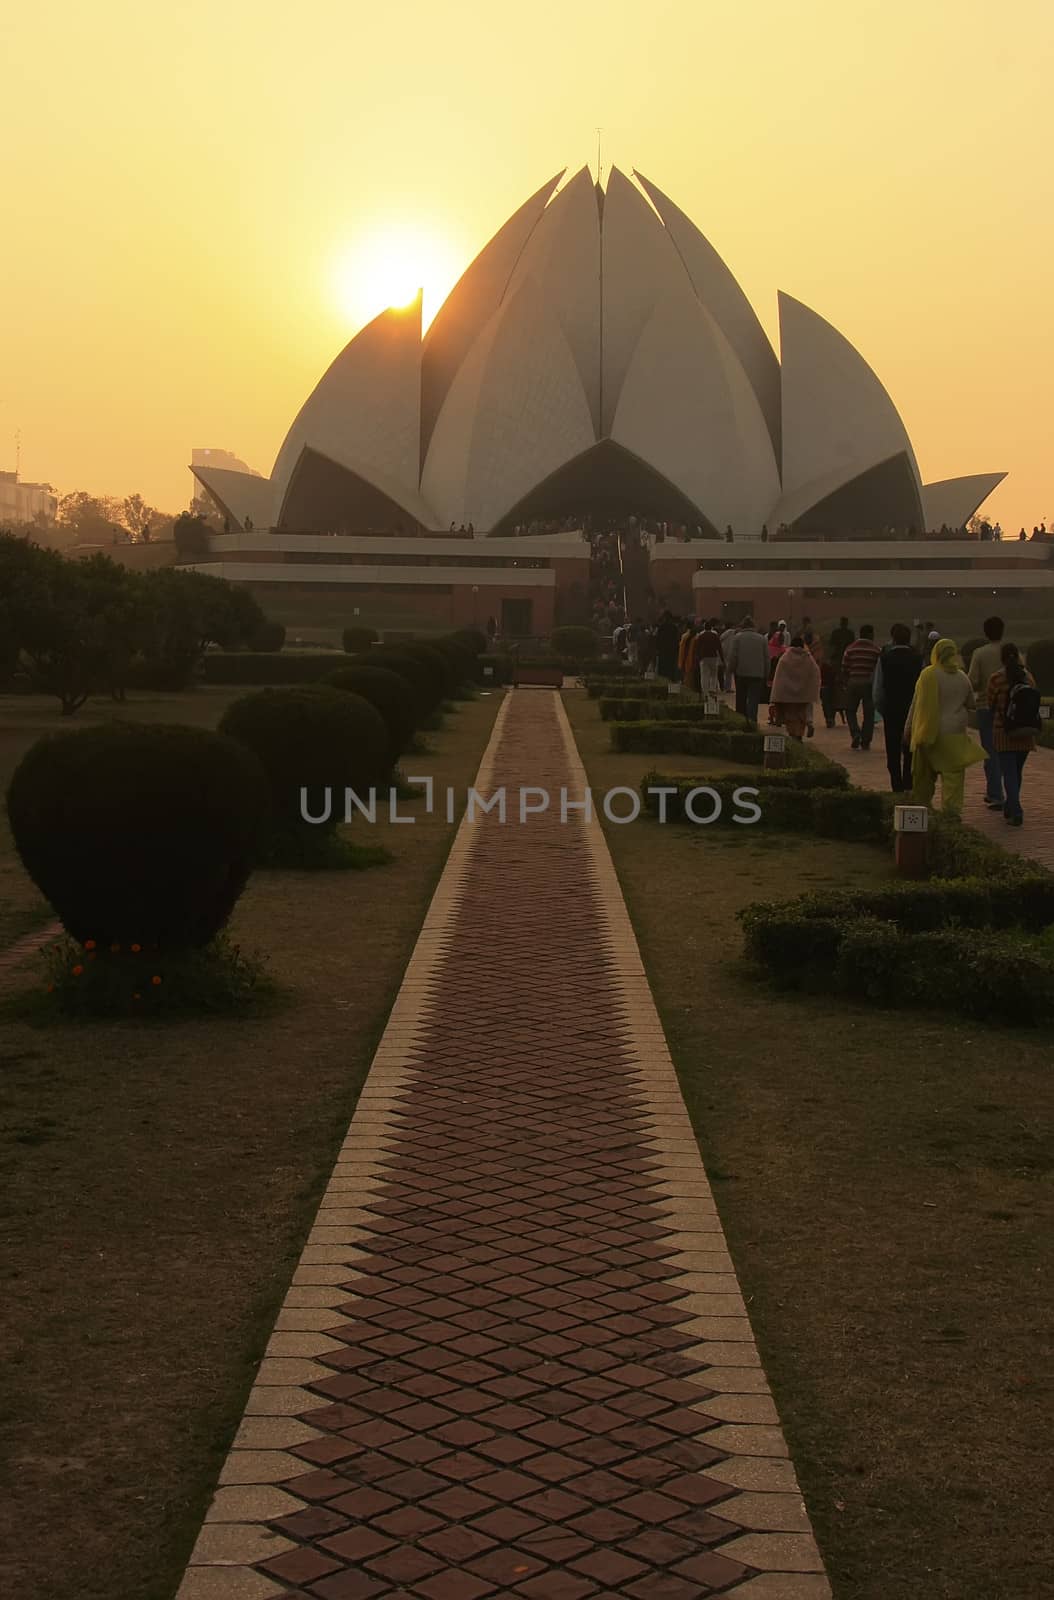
column 632, row 707
column 686, row 739
column 961, row 943
column 825, row 812
column 991, row 975
column 637, row 689
column 830, row 776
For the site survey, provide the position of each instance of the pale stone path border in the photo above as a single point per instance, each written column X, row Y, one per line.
column 16, row 955
column 776, row 1542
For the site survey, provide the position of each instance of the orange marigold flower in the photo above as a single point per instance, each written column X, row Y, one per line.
column 77, row 971
column 89, row 944
column 137, row 997
column 136, row 948
column 51, row 988
column 155, row 980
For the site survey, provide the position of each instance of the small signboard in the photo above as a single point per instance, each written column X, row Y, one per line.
column 711, row 706
column 1044, row 712
column 775, row 742
column 488, row 672
column 674, row 688
column 911, row 819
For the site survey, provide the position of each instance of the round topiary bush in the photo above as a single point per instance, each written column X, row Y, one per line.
column 439, row 662
column 428, row 690
column 313, row 738
column 138, row 834
column 269, row 637
column 966, row 650
column 389, row 694
column 460, row 653
column 1040, row 659
column 474, row 641
column 579, row 642
column 355, row 639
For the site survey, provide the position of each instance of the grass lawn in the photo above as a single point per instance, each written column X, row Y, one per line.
column 156, row 1187
column 884, row 1181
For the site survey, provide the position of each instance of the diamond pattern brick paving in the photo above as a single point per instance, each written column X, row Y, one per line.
column 514, row 1360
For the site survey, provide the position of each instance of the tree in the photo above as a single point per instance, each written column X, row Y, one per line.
column 138, row 517
column 92, row 518
column 78, row 623
column 191, row 533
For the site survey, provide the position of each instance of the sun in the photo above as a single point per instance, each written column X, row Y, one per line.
column 389, row 266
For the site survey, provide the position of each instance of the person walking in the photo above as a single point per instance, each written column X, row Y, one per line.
column 726, row 644
column 841, row 638
column 896, row 675
column 748, row 661
column 795, row 687
column 1014, row 702
column 985, row 662
column 684, row 652
column 859, row 661
column 666, row 640
column 706, row 657
column 935, row 730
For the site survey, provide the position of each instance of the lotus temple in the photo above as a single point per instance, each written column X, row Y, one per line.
column 598, row 367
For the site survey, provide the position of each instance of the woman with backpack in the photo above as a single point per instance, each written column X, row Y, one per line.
column 1014, row 701
column 935, row 730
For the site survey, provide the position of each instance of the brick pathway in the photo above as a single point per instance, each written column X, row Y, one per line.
column 514, row 1363
column 1036, row 839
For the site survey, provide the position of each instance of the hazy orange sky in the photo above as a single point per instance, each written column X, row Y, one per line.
column 194, row 196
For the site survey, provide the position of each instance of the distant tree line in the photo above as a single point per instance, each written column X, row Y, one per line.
column 72, row 628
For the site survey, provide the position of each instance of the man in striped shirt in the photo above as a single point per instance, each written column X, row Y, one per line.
column 858, row 671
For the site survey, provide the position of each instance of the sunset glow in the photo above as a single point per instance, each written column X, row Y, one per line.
column 388, row 267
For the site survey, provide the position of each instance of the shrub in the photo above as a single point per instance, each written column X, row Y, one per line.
column 389, row 694
column 960, row 945
column 312, row 738
column 636, row 689
column 574, row 640
column 440, row 664
column 1040, row 658
column 256, row 668
column 668, row 708
column 137, row 833
column 358, row 638
column 270, row 636
column 684, row 739
column 427, row 687
column 474, row 641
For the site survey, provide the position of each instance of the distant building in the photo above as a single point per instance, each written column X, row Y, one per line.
column 25, row 502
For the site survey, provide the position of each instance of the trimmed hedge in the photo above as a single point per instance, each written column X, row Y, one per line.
column 641, row 689
column 992, row 975
column 824, row 811
column 269, row 637
column 423, row 680
column 313, row 738
column 254, row 668
column 829, row 777
column 389, row 694
column 685, row 739
column 575, row 640
column 667, row 708
column 138, row 833
column 1040, row 659
column 440, row 663
column 358, row 638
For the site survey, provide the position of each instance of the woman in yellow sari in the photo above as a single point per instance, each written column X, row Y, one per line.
column 935, row 730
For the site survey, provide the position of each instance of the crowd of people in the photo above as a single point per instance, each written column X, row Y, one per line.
column 914, row 685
